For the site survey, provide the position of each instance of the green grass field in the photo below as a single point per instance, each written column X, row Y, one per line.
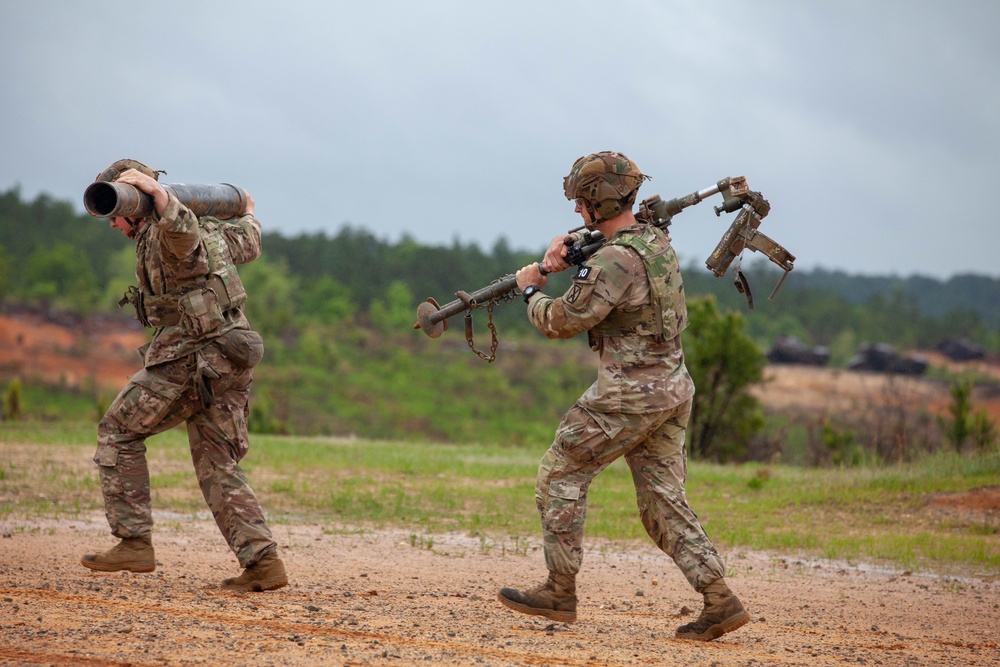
column 879, row 515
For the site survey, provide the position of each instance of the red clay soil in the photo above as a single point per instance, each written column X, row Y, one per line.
column 69, row 351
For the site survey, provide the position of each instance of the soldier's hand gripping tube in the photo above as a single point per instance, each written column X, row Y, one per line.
column 111, row 199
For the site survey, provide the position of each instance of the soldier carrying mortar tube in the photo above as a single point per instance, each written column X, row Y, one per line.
column 197, row 369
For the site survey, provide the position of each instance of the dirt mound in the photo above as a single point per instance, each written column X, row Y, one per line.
column 69, row 351
column 986, row 498
column 818, row 391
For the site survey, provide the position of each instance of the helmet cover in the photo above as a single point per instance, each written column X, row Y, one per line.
column 604, row 176
column 112, row 173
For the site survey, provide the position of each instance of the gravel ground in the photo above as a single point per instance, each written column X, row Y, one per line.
column 361, row 597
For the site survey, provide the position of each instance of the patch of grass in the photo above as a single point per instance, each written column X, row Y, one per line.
column 878, row 515
column 54, row 403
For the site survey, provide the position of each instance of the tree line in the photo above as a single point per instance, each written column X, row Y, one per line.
column 51, row 254
column 337, row 312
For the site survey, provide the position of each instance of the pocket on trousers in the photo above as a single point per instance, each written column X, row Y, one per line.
column 562, row 510
column 147, row 401
column 564, row 490
column 610, row 425
column 107, row 456
column 587, row 439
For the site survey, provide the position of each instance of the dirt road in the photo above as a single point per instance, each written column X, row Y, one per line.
column 396, row 598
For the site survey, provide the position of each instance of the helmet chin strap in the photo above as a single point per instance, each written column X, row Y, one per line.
column 133, row 227
column 592, row 212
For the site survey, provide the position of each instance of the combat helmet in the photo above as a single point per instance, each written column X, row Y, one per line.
column 119, row 167
column 607, row 183
column 95, row 197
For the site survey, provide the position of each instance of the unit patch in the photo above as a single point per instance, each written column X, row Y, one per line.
column 584, row 281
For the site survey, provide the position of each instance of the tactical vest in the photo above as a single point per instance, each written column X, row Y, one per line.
column 201, row 303
column 665, row 316
column 221, row 268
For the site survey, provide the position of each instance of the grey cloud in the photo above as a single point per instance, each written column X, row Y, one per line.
column 869, row 126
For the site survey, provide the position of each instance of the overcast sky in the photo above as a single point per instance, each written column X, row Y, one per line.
column 871, row 127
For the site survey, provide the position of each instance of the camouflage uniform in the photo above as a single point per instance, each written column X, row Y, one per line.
column 638, row 407
column 187, row 376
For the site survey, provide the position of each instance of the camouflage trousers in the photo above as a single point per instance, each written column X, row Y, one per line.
column 586, row 442
column 159, row 398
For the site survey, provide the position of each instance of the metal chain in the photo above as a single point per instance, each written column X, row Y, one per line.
column 489, row 305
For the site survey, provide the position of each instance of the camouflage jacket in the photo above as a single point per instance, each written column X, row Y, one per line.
column 640, row 371
column 174, row 256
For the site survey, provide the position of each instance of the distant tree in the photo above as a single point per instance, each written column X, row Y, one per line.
column 270, row 295
column 984, row 432
column 724, row 363
column 843, row 348
column 121, row 274
column 964, row 425
column 959, row 427
column 12, row 401
column 61, row 274
column 394, row 311
column 891, row 317
column 323, row 299
column 5, row 269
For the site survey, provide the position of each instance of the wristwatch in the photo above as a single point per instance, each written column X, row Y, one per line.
column 530, row 291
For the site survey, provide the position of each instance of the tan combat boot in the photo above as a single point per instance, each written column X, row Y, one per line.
column 266, row 574
column 134, row 554
column 723, row 612
column 555, row 599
